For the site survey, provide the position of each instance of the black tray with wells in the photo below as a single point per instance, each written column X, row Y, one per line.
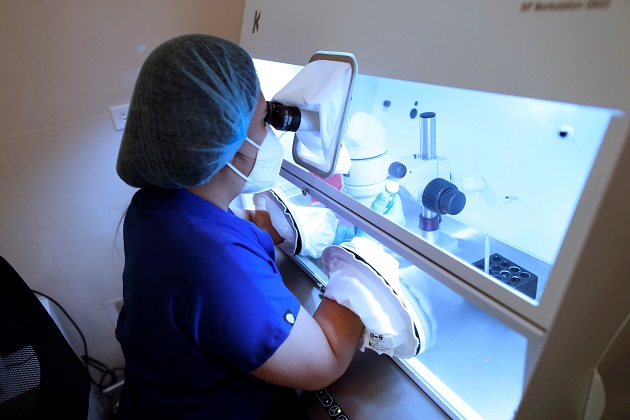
column 510, row 273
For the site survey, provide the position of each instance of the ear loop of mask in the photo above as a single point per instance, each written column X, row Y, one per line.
column 236, row 171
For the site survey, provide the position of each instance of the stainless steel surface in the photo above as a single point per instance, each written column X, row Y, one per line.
column 374, row 387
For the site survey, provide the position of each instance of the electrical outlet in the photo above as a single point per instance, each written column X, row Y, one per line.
column 119, row 116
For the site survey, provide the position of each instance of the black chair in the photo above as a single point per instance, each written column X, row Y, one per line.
column 40, row 374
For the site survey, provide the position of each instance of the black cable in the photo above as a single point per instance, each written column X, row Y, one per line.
column 85, row 351
column 88, row 361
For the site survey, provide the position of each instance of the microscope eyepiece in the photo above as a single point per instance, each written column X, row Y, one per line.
column 283, row 117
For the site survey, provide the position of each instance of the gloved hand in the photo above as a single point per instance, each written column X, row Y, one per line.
column 364, row 278
column 306, row 230
column 344, row 233
column 389, row 204
column 393, row 211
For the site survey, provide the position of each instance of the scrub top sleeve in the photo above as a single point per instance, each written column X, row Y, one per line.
column 245, row 312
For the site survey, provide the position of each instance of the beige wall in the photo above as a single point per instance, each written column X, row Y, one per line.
column 63, row 64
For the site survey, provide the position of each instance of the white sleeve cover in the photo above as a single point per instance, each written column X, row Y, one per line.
column 306, row 230
column 391, row 325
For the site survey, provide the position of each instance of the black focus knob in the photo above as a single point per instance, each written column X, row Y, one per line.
column 443, row 197
column 397, row 170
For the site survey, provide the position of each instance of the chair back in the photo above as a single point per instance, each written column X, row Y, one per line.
column 40, row 374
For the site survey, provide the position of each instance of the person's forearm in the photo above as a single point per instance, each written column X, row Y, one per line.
column 261, row 219
column 342, row 328
column 317, row 352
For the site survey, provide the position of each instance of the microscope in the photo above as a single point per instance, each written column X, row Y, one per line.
column 424, row 178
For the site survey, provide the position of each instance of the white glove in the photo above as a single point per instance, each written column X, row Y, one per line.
column 281, row 220
column 364, row 278
column 306, row 230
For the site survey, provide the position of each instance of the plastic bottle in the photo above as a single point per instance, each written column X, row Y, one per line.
column 385, row 200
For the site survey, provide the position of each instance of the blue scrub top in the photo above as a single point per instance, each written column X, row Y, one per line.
column 204, row 304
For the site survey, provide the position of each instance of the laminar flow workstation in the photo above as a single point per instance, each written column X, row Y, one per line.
column 505, row 127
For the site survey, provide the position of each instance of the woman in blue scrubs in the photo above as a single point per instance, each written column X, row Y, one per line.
column 208, row 328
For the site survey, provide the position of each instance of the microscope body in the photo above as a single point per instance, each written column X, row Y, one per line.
column 418, row 173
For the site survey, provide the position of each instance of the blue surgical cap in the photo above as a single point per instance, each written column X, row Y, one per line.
column 189, row 112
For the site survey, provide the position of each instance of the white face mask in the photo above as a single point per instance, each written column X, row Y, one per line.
column 266, row 168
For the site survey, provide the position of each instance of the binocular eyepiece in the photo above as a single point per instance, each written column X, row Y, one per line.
column 283, row 117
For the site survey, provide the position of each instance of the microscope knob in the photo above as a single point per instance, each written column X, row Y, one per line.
column 443, row 197
column 397, row 170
